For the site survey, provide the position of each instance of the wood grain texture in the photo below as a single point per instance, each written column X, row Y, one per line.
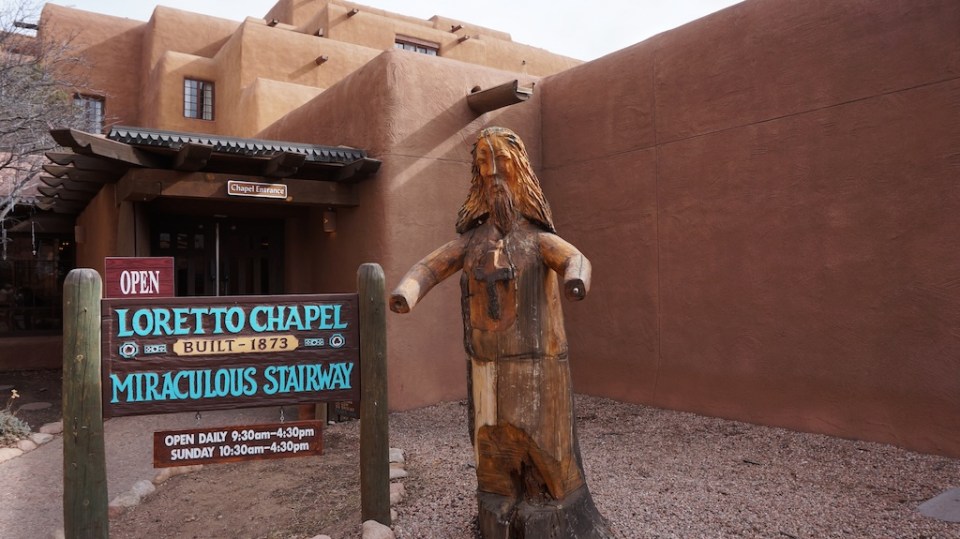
column 374, row 426
column 84, row 460
column 530, row 478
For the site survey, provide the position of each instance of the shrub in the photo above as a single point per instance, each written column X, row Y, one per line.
column 12, row 428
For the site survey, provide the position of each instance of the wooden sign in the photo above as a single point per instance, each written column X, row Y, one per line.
column 238, row 443
column 209, row 353
column 343, row 411
column 257, row 190
column 142, row 277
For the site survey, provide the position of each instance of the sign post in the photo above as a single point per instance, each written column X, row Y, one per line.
column 374, row 431
column 84, row 460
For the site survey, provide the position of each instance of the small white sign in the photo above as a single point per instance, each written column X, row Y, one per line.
column 258, row 190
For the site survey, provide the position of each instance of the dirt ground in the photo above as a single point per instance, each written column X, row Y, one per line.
column 271, row 499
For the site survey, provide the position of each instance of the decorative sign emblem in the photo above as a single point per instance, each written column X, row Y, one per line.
column 140, row 277
column 239, row 188
column 203, row 353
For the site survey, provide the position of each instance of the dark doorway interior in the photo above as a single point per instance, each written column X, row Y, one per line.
column 221, row 256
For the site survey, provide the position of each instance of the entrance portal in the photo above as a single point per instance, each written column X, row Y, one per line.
column 221, row 256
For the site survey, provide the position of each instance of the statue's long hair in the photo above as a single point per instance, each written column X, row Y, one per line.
column 529, row 201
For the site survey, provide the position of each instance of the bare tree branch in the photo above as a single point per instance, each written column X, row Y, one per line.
column 38, row 78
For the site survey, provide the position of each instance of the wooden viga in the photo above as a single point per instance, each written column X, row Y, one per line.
column 530, row 476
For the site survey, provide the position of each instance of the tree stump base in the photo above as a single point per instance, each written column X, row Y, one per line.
column 575, row 517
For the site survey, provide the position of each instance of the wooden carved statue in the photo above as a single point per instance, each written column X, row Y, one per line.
column 529, row 475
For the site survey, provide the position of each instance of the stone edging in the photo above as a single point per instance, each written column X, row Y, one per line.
column 31, row 442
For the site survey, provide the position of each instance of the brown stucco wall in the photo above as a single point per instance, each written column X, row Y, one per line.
column 110, row 48
column 377, row 29
column 140, row 66
column 769, row 199
column 175, row 30
column 409, row 111
column 249, row 69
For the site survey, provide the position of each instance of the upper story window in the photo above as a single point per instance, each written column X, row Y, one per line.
column 416, row 45
column 91, row 112
column 198, row 99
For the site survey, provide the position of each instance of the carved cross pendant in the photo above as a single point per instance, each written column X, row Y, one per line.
column 494, row 266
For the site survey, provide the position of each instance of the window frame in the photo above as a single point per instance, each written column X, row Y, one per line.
column 416, row 45
column 98, row 118
column 199, row 99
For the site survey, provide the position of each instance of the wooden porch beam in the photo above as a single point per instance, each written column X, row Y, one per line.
column 506, row 94
column 88, row 144
column 77, row 175
column 52, row 181
column 84, row 162
column 192, row 157
column 69, row 185
column 63, row 194
column 284, row 164
column 60, row 206
column 144, row 185
column 56, row 171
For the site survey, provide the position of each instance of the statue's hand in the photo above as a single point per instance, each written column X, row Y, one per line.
column 398, row 303
column 574, row 289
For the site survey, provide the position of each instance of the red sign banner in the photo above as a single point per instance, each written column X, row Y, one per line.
column 138, row 277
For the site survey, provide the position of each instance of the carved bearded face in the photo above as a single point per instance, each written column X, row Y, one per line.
column 504, row 188
column 498, row 173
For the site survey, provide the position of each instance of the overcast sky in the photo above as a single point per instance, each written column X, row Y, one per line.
column 582, row 30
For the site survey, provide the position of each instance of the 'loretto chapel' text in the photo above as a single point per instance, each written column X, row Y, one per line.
column 193, row 320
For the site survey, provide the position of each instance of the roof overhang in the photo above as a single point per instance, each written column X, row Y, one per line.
column 146, row 164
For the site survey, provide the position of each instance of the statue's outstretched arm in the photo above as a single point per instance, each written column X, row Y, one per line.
column 424, row 275
column 567, row 261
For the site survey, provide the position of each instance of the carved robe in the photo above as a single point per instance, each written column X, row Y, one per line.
column 521, row 398
column 519, row 372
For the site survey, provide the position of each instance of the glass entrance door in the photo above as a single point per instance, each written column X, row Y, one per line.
column 221, row 257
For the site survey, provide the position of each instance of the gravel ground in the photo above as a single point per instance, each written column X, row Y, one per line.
column 664, row 474
column 654, row 474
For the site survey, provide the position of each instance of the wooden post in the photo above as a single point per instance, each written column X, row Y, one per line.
column 84, row 462
column 374, row 428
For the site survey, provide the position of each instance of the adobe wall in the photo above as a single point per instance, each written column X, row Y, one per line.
column 175, row 30
column 110, row 48
column 769, row 199
column 251, row 56
column 140, row 67
column 408, row 110
column 377, row 29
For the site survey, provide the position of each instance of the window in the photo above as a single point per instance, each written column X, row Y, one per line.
column 198, row 99
column 31, row 281
column 90, row 109
column 416, row 45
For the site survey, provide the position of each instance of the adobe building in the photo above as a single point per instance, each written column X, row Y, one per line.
column 768, row 195
column 154, row 88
